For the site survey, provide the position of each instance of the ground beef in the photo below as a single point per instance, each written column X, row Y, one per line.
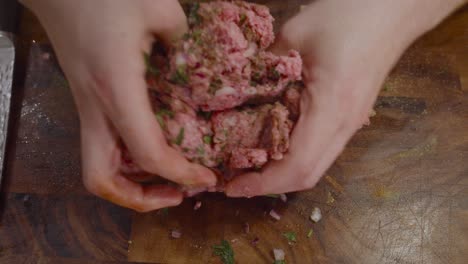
column 265, row 127
column 222, row 62
column 220, row 97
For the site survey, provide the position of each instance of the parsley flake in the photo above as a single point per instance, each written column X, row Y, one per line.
column 290, row 236
column 205, row 115
column 164, row 211
column 163, row 113
column 201, row 151
column 180, row 137
column 208, row 139
column 273, row 74
column 215, row 85
column 225, row 252
column 194, row 18
column 242, row 19
column 180, row 76
column 150, row 68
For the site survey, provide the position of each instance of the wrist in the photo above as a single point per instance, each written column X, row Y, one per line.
column 420, row 16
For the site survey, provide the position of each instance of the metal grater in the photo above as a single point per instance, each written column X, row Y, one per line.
column 7, row 58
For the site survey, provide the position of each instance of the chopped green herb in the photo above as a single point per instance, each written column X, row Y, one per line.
column 149, row 67
column 215, row 85
column 291, row 236
column 219, row 160
column 201, row 151
column 310, row 233
column 386, row 87
column 180, row 76
column 194, row 18
column 185, row 150
column 243, row 18
column 161, row 114
column 186, row 36
column 165, row 112
column 279, row 262
column 180, row 137
column 223, row 147
column 208, row 139
column 196, row 35
column 273, row 74
column 249, row 34
column 161, row 121
column 205, row 115
column 164, row 211
column 225, row 252
column 257, row 77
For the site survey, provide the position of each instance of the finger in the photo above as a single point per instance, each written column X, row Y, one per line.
column 124, row 95
column 101, row 176
column 281, row 46
column 126, row 193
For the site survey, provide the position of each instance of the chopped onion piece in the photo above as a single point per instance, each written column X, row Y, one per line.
column 246, row 228
column 275, row 215
column 180, row 59
column 251, row 50
column 316, row 215
column 279, row 254
column 197, row 206
column 283, row 197
column 176, row 234
column 226, row 90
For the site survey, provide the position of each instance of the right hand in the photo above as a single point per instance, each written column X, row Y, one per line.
column 100, row 46
column 348, row 48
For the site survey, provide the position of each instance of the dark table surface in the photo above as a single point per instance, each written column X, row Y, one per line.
column 398, row 193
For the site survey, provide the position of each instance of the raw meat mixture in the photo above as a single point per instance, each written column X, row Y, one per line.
column 221, row 98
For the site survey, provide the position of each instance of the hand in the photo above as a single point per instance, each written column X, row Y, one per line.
column 348, row 47
column 100, row 46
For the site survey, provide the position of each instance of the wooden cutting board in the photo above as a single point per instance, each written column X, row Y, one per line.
column 398, row 193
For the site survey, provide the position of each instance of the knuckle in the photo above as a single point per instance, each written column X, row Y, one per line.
column 150, row 161
column 94, row 185
column 307, row 180
column 140, row 208
column 289, row 35
column 100, row 83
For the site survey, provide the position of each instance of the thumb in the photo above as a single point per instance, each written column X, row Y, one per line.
column 170, row 22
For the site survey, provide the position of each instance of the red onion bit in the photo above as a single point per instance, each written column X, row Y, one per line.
column 255, row 241
column 176, row 234
column 275, row 215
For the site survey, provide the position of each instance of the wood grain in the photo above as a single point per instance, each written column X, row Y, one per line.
column 397, row 194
